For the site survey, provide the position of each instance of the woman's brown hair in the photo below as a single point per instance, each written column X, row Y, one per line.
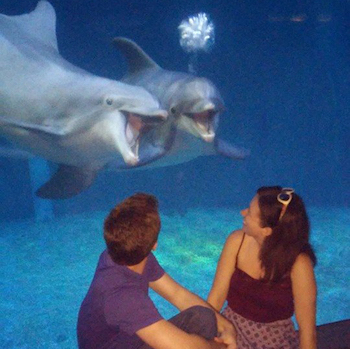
column 290, row 233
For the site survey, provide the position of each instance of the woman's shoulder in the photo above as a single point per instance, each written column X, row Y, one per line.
column 302, row 261
column 303, row 258
column 235, row 238
column 302, row 274
column 230, row 249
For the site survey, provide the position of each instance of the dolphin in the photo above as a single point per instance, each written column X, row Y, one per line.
column 62, row 113
column 193, row 104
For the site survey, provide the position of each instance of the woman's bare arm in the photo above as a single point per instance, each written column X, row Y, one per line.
column 224, row 271
column 304, row 293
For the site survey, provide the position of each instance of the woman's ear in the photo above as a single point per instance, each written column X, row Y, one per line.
column 267, row 231
column 155, row 246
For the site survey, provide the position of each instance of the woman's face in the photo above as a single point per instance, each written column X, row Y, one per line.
column 251, row 221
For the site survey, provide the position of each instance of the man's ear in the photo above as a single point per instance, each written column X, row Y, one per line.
column 155, row 246
column 267, row 231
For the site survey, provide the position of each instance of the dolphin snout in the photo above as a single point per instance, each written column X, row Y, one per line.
column 162, row 115
column 208, row 137
column 156, row 118
column 131, row 159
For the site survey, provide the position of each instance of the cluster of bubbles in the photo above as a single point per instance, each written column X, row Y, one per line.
column 197, row 33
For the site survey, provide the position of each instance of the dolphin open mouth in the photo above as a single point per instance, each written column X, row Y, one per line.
column 133, row 128
column 204, row 123
column 137, row 125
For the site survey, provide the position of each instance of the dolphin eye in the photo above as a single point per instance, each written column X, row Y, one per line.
column 173, row 110
column 109, row 101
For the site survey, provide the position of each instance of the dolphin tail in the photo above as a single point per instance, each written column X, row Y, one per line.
column 230, row 150
column 68, row 181
column 137, row 59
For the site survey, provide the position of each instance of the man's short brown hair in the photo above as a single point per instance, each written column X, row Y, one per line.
column 131, row 229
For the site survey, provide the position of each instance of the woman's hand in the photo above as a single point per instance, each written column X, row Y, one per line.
column 227, row 337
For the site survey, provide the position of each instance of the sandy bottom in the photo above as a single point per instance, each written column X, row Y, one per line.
column 46, row 268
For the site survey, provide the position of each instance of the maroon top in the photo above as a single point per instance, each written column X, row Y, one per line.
column 259, row 300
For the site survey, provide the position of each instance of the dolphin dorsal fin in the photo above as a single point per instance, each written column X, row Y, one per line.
column 39, row 24
column 137, row 59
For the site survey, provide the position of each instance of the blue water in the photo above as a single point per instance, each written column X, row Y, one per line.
column 49, row 267
column 283, row 70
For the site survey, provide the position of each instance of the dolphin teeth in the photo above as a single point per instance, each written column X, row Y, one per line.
column 209, row 106
column 131, row 134
column 206, row 130
column 132, row 137
column 135, row 147
column 203, row 126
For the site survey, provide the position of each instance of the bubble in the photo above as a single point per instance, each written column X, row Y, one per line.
column 197, row 33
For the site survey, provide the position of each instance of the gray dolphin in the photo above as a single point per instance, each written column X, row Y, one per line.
column 193, row 104
column 62, row 113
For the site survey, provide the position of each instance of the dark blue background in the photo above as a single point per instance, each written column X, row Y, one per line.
column 285, row 83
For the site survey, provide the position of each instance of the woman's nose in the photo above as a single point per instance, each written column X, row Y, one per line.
column 244, row 212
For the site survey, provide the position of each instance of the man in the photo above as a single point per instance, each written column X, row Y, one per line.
column 117, row 311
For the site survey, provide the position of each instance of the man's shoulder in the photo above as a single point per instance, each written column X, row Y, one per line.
column 154, row 270
column 110, row 275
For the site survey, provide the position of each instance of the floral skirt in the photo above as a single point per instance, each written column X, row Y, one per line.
column 257, row 335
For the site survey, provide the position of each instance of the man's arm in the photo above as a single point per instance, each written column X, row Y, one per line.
column 183, row 299
column 164, row 335
column 176, row 294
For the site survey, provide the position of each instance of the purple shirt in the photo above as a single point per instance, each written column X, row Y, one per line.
column 117, row 305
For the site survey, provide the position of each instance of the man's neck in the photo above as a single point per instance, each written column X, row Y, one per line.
column 138, row 268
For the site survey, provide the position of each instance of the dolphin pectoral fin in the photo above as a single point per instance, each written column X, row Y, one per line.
column 49, row 129
column 229, row 150
column 15, row 153
column 68, row 181
column 137, row 59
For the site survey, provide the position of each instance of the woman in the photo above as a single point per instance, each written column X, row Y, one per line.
column 265, row 273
